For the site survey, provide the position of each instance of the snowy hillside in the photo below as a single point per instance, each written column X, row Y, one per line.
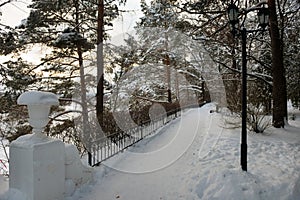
column 195, row 158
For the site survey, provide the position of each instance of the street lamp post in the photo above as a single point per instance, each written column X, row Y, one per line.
column 244, row 102
column 263, row 20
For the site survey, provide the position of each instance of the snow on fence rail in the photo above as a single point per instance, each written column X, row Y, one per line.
column 107, row 147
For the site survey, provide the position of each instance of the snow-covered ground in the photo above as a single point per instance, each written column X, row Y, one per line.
column 194, row 157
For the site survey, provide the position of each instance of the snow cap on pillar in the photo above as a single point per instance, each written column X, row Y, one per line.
column 38, row 104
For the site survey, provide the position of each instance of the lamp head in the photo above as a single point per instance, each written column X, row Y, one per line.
column 263, row 17
column 233, row 14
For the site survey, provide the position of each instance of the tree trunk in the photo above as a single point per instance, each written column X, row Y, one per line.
column 177, row 87
column 86, row 130
column 167, row 63
column 100, row 66
column 279, row 93
column 168, row 79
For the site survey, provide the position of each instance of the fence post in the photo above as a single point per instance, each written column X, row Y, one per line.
column 90, row 158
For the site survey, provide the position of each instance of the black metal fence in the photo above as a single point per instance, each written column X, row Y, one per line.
column 107, row 147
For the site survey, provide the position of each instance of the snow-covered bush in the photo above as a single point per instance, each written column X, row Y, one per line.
column 257, row 119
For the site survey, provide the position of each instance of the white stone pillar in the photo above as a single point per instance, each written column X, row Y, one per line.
column 37, row 167
column 37, row 163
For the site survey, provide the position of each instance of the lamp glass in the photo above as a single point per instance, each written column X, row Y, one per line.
column 263, row 17
column 233, row 13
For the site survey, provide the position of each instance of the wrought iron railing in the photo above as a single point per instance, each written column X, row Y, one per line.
column 4, row 167
column 111, row 145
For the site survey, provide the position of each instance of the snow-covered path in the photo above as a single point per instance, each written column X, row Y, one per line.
column 195, row 158
column 159, row 163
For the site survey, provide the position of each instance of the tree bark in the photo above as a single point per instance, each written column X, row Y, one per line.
column 278, row 93
column 168, row 79
column 100, row 65
column 86, row 130
column 167, row 64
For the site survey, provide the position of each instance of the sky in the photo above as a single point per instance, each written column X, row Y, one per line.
column 14, row 12
column 126, row 22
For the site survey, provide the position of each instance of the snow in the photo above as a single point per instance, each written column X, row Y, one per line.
column 194, row 157
column 32, row 140
column 37, row 167
column 38, row 104
column 3, row 185
column 38, row 97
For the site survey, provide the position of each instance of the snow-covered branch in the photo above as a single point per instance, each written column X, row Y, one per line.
column 70, row 100
column 258, row 76
column 151, row 100
column 188, row 73
column 256, row 6
column 191, row 87
column 63, row 113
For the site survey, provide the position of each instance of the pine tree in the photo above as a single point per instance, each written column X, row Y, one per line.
column 159, row 43
column 66, row 29
column 8, row 36
column 15, row 78
column 155, row 31
column 291, row 19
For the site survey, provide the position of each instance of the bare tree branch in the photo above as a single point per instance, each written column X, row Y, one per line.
column 258, row 76
column 6, row 2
